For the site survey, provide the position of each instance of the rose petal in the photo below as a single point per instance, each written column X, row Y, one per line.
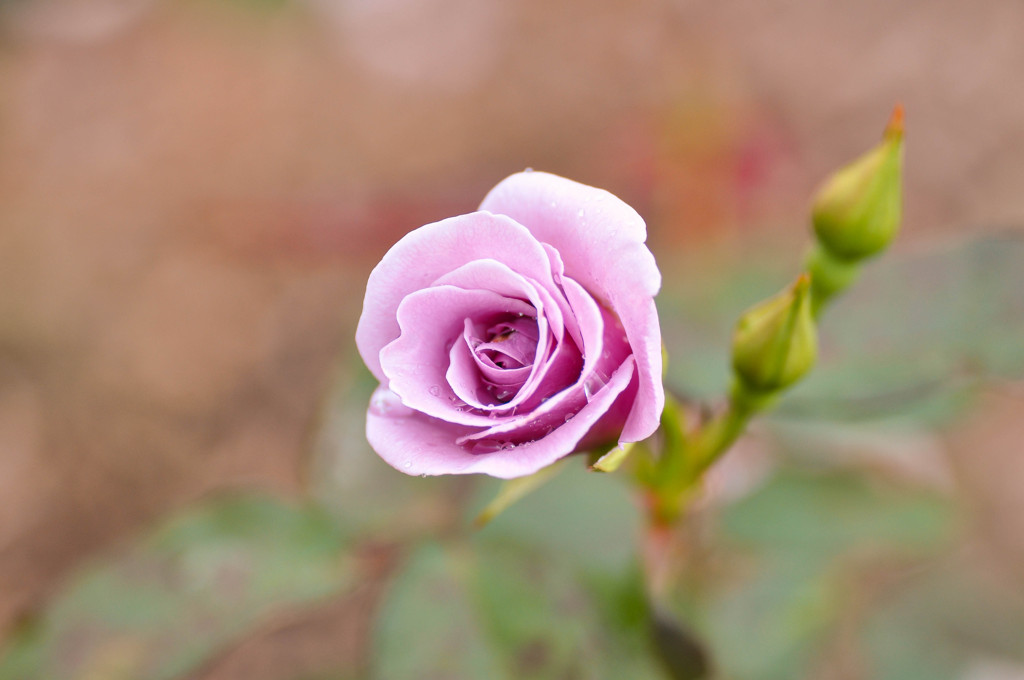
column 424, row 255
column 601, row 242
column 464, row 377
column 554, row 369
column 420, row 445
column 415, row 363
column 489, row 274
column 605, row 350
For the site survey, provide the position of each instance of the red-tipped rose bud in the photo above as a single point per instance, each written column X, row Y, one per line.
column 857, row 212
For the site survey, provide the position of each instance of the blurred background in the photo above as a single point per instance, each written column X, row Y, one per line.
column 192, row 194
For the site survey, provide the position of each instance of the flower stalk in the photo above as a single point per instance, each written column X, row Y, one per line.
column 855, row 216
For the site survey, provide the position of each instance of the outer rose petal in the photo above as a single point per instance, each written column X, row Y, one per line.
column 601, row 241
column 424, row 255
column 419, row 445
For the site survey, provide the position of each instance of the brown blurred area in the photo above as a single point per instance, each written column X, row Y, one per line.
column 192, row 194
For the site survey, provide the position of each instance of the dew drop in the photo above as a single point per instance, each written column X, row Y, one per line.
column 580, row 213
column 385, row 403
column 408, row 464
column 435, row 390
column 487, row 446
column 569, row 416
column 593, row 384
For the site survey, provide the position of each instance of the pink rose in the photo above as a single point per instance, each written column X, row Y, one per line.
column 508, row 338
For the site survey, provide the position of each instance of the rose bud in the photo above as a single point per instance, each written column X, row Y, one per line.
column 856, row 213
column 776, row 341
column 509, row 338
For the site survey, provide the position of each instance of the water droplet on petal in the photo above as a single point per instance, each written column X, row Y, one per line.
column 385, row 403
column 580, row 213
column 486, row 446
column 435, row 390
column 593, row 384
column 569, row 416
column 408, row 464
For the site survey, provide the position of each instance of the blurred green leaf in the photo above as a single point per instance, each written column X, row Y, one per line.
column 826, row 513
column 907, row 340
column 796, row 547
column 504, row 610
column 169, row 602
column 596, row 518
column 771, row 626
column 512, row 490
column 427, row 627
column 540, row 617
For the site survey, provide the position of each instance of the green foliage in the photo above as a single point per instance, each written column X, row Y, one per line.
column 597, row 521
column 816, row 515
column 427, row 627
column 909, row 341
column 164, row 605
column 808, row 540
column 525, row 597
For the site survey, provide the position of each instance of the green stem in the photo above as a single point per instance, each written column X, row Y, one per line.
column 830, row 275
column 722, row 431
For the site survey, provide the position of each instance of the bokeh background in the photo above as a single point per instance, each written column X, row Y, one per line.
column 191, row 197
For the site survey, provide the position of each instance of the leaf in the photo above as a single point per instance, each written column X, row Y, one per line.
column 588, row 518
column 499, row 610
column 427, row 627
column 909, row 339
column 540, row 617
column 795, row 547
column 167, row 603
column 610, row 461
column 514, row 489
column 827, row 513
column 771, row 626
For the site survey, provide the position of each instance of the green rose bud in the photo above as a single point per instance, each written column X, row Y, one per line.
column 776, row 341
column 857, row 212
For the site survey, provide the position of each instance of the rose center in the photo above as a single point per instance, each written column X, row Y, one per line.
column 505, row 354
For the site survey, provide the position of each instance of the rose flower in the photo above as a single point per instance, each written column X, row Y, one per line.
column 511, row 337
